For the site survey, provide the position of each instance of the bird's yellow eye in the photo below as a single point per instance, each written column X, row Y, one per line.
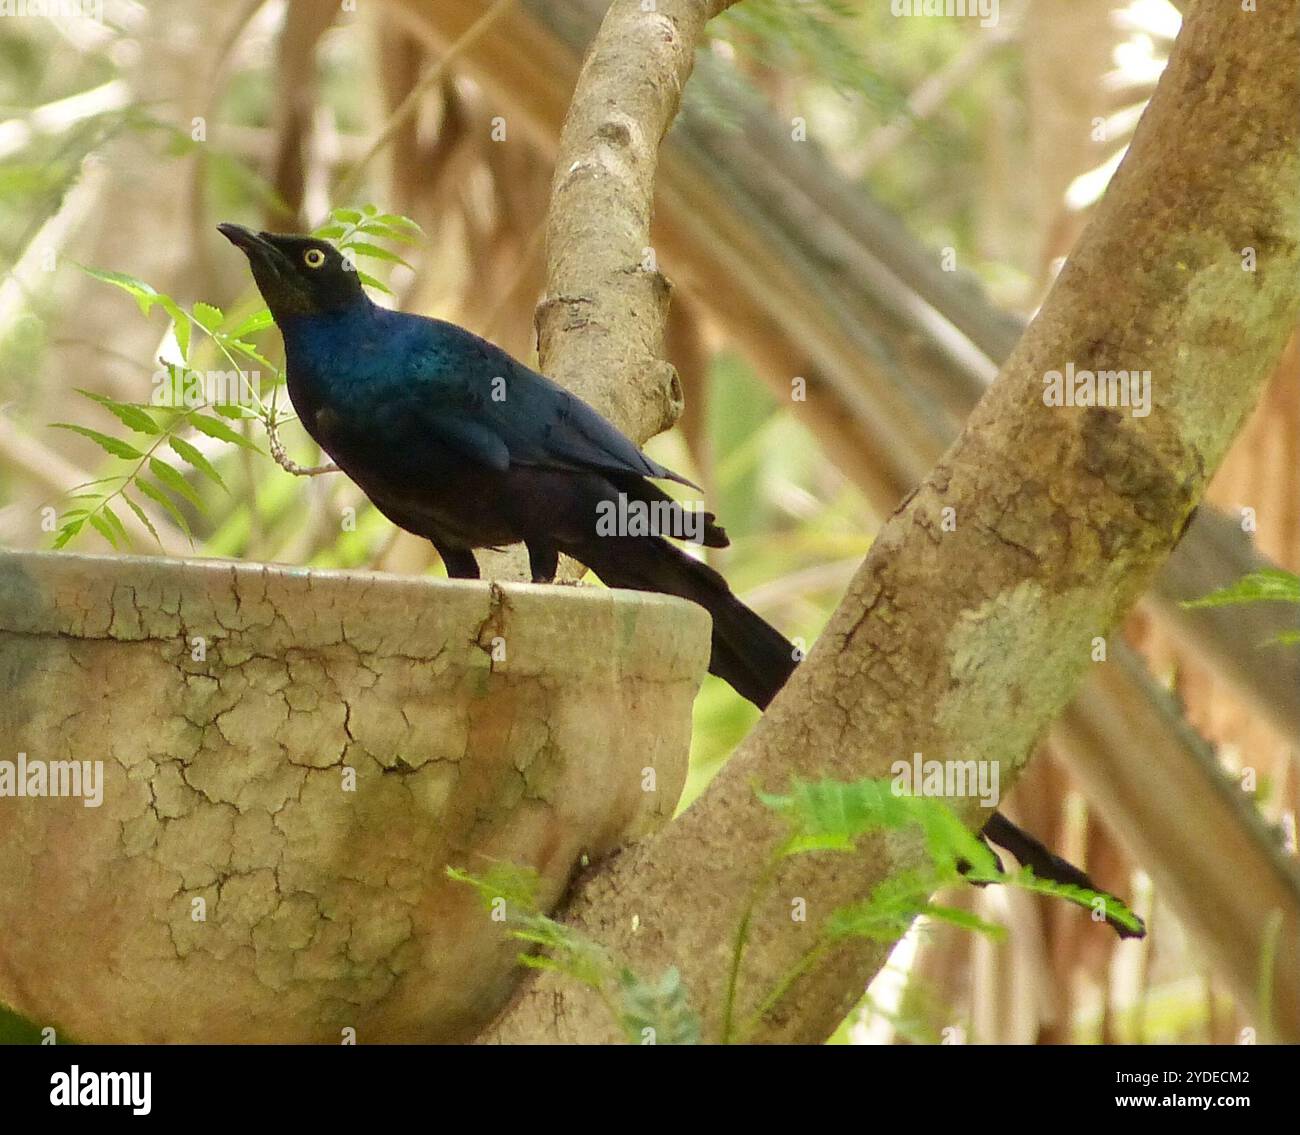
column 313, row 258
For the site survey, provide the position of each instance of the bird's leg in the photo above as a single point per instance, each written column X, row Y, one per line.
column 543, row 561
column 459, row 562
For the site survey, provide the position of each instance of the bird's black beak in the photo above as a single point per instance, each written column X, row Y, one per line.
column 239, row 236
column 247, row 241
column 265, row 257
column 274, row 269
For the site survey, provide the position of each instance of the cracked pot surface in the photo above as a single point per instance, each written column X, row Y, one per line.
column 290, row 759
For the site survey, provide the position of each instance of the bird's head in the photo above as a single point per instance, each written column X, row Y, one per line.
column 297, row 275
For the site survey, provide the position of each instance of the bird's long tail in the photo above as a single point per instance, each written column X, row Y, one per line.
column 749, row 654
column 755, row 659
column 1047, row 864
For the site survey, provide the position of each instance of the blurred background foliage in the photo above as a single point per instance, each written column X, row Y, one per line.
column 124, row 142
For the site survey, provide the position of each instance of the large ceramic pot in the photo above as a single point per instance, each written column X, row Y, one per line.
column 242, row 784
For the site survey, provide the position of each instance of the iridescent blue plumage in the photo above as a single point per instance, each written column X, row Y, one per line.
column 415, row 378
column 456, row 441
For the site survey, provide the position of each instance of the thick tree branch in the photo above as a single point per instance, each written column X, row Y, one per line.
column 967, row 643
column 601, row 325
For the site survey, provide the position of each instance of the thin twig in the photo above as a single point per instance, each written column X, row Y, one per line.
column 283, row 459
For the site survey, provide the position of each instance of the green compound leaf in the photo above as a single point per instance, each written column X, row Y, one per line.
column 175, row 480
column 215, row 427
column 193, row 457
column 115, row 446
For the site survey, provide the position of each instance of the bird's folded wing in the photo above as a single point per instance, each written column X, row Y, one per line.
column 498, row 413
column 547, row 427
column 448, row 392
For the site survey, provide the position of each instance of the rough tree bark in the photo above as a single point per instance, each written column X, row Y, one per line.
column 607, row 302
column 967, row 643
